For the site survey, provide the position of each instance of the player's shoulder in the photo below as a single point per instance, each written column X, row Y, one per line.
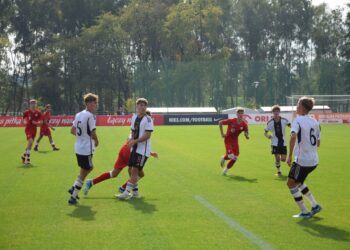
column 269, row 121
column 148, row 119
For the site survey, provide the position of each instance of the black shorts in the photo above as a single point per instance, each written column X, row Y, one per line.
column 137, row 160
column 279, row 150
column 299, row 173
column 85, row 161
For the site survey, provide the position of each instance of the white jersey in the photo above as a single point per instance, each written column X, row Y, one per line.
column 308, row 133
column 85, row 123
column 139, row 127
column 278, row 130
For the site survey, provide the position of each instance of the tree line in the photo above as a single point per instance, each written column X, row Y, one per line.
column 176, row 53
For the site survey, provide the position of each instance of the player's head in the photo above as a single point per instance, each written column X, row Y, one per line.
column 240, row 113
column 48, row 107
column 148, row 112
column 141, row 105
column 91, row 102
column 276, row 110
column 33, row 103
column 305, row 105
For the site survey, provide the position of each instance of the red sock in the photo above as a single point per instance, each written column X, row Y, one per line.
column 226, row 158
column 102, row 177
column 230, row 164
column 124, row 185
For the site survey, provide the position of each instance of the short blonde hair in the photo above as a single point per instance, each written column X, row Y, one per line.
column 90, row 97
column 275, row 107
column 32, row 100
column 142, row 100
column 307, row 103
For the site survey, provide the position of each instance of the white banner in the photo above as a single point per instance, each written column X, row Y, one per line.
column 261, row 118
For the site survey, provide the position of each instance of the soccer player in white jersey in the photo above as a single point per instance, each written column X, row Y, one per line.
column 304, row 141
column 140, row 144
column 277, row 126
column 84, row 128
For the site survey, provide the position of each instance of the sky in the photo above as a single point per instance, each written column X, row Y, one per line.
column 332, row 3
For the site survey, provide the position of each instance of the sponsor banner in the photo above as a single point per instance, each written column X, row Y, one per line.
column 261, row 118
column 193, row 119
column 330, row 118
column 66, row 121
column 117, row 120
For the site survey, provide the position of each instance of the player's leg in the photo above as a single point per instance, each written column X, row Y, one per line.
column 225, row 156
column 38, row 141
column 278, row 164
column 26, row 155
column 52, row 143
column 102, row 177
column 86, row 166
column 123, row 187
column 232, row 154
column 295, row 177
column 135, row 191
column 307, row 193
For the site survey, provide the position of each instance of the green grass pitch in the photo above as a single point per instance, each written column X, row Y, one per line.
column 34, row 213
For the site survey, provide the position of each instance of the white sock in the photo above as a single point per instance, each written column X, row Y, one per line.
column 27, row 152
column 298, row 199
column 278, row 166
column 306, row 192
column 129, row 187
column 77, row 186
column 225, row 170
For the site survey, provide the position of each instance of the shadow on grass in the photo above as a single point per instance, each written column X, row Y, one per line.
column 44, row 151
column 27, row 166
column 243, row 179
column 324, row 231
column 281, row 178
column 83, row 212
column 140, row 204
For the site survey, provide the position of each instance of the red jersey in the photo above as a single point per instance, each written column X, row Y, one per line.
column 30, row 116
column 234, row 129
column 46, row 116
column 125, row 151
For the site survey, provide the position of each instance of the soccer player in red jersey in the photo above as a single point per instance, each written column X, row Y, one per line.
column 120, row 163
column 45, row 129
column 235, row 127
column 31, row 119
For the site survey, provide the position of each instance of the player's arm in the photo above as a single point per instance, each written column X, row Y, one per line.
column 221, row 123
column 246, row 132
column 73, row 130
column 25, row 118
column 293, row 139
column 94, row 137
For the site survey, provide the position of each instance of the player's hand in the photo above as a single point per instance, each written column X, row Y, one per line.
column 223, row 135
column 247, row 136
column 154, row 154
column 53, row 128
column 131, row 143
column 289, row 161
column 269, row 137
column 96, row 143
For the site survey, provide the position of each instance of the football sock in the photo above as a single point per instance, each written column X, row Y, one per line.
column 76, row 187
column 129, row 187
column 278, row 165
column 124, row 185
column 102, row 177
column 298, row 199
column 136, row 188
column 306, row 192
column 230, row 164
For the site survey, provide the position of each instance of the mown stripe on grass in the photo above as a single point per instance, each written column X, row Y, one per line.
column 233, row 224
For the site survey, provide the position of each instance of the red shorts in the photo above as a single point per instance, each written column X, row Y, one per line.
column 45, row 131
column 232, row 149
column 123, row 158
column 30, row 133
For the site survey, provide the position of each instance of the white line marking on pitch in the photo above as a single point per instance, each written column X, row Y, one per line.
column 233, row 224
